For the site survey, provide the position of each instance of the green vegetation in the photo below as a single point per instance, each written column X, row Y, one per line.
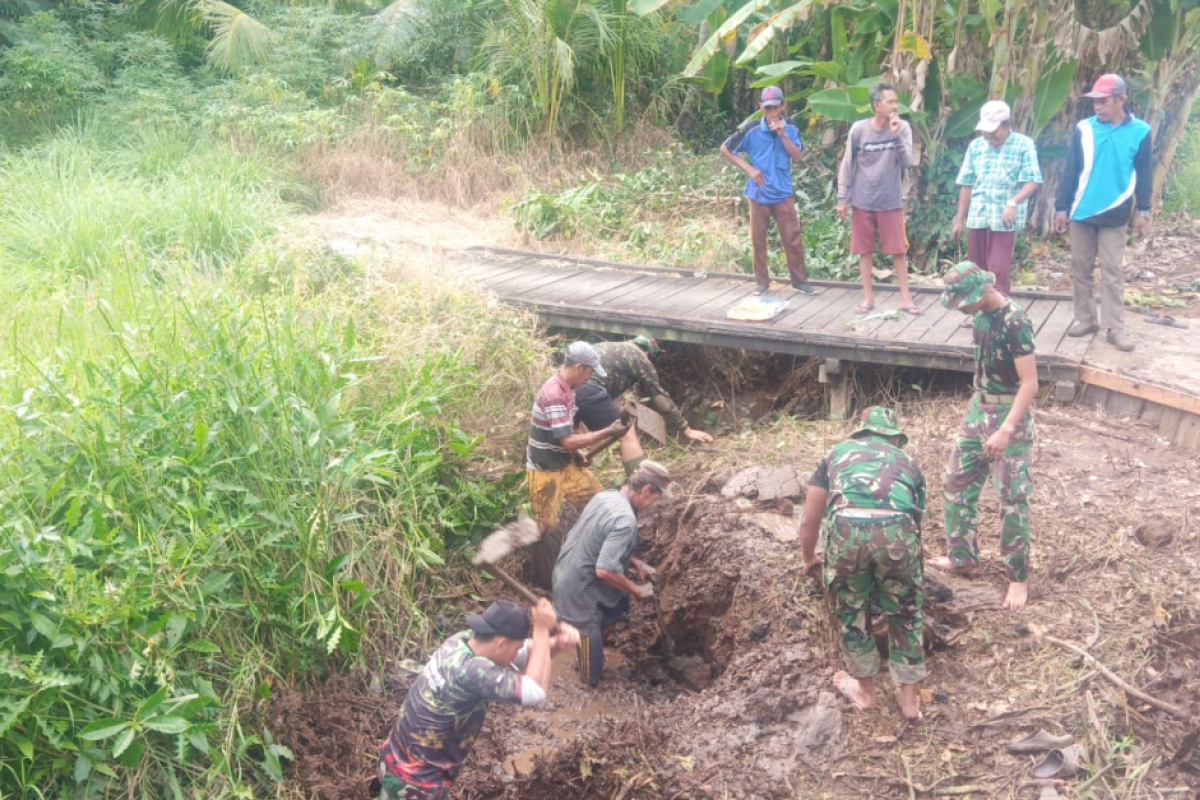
column 1182, row 194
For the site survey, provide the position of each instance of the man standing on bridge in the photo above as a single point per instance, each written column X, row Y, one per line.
column 871, row 188
column 997, row 431
column 1110, row 168
column 868, row 496
column 772, row 144
column 628, row 366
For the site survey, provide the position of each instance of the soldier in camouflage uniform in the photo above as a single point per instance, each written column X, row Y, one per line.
column 445, row 707
column 870, row 496
column 997, row 431
column 627, row 366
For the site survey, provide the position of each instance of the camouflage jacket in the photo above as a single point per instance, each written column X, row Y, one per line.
column 444, row 712
column 870, row 472
column 628, row 367
column 1001, row 337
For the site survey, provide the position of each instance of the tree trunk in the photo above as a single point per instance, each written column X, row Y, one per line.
column 1169, row 139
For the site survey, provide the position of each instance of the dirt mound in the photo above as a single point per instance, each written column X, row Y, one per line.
column 743, row 706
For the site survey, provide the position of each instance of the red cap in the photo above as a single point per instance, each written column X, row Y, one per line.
column 1107, row 86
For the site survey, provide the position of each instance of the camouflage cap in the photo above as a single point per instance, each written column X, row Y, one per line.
column 965, row 283
column 650, row 346
column 880, row 420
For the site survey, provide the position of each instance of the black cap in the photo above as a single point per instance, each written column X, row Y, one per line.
column 501, row 618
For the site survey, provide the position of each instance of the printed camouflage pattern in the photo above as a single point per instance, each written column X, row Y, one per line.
column 393, row 787
column 878, row 557
column 628, row 367
column 443, row 714
column 1012, row 476
column 869, row 472
column 1001, row 337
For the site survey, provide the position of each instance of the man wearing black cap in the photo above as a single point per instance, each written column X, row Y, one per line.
column 771, row 144
column 591, row 589
column 445, row 708
column 627, row 366
column 1110, row 166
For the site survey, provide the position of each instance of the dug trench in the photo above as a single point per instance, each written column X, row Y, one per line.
column 742, row 705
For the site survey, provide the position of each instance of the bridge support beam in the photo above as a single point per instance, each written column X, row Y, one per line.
column 832, row 372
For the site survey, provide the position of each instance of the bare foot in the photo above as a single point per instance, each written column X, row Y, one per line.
column 1018, row 593
column 945, row 564
column 910, row 701
column 859, row 692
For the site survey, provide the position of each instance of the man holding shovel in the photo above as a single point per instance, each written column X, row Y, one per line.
column 591, row 589
column 552, row 469
column 627, row 366
column 446, row 706
column 870, row 496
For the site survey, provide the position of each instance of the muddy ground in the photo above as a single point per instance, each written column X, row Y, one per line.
column 746, row 708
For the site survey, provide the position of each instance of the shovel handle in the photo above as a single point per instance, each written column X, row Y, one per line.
column 512, row 582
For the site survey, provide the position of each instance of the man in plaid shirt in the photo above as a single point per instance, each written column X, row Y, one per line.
column 999, row 174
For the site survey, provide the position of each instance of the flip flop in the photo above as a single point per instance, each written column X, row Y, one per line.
column 1163, row 319
column 913, row 309
column 863, row 308
column 1040, row 742
column 1064, row 763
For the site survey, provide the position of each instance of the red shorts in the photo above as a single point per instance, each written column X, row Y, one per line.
column 890, row 225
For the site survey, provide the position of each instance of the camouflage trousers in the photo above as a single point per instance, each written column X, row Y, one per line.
column 880, row 557
column 393, row 787
column 1012, row 477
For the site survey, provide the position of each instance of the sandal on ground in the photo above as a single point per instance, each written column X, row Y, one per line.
column 1040, row 742
column 913, row 309
column 1064, row 763
column 863, row 308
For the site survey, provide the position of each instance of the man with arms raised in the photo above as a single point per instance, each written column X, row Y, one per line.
column 446, row 706
column 997, row 432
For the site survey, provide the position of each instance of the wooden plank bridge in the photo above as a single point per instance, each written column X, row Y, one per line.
column 685, row 306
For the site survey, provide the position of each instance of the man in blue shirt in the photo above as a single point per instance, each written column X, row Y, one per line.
column 1110, row 166
column 772, row 143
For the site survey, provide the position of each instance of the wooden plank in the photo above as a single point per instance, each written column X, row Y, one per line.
column 1094, row 396
column 652, row 303
column 1038, row 312
column 708, row 290
column 587, row 285
column 484, row 273
column 1162, row 395
column 1170, row 423
column 796, row 317
column 712, row 305
column 1049, row 337
column 1152, row 413
column 526, row 285
column 947, row 328
column 1124, row 405
column 1188, row 433
column 629, row 295
column 603, row 298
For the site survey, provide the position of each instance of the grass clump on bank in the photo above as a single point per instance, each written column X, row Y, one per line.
column 224, row 464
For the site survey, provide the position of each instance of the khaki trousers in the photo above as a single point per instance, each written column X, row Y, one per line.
column 1090, row 243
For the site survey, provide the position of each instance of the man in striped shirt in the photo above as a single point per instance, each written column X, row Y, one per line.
column 552, row 470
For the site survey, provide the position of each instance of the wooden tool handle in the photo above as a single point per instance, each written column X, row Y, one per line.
column 512, row 582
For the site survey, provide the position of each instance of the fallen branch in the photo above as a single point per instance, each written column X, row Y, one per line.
column 1174, row 711
column 1048, row 416
column 956, row 791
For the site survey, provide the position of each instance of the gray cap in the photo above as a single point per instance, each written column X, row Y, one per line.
column 583, row 353
column 654, row 474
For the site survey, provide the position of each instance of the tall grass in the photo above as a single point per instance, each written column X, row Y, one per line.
column 1182, row 195
column 222, row 463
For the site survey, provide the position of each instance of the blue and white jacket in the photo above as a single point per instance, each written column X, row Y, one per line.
column 1108, row 168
